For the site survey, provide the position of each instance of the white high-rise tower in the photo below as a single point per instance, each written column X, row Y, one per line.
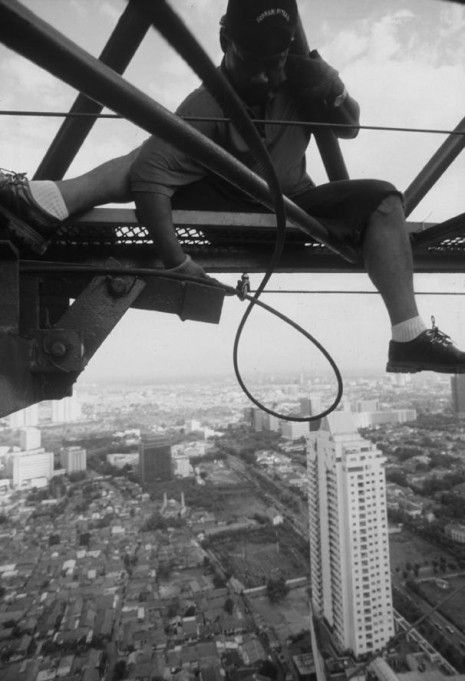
column 349, row 549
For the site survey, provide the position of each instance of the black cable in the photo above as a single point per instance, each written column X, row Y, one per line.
column 41, row 267
column 221, row 119
column 44, row 267
column 323, row 351
column 358, row 293
column 174, row 30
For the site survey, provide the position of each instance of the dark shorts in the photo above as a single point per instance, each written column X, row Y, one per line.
column 344, row 207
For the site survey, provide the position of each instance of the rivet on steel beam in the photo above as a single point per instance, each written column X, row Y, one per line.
column 58, row 349
column 118, row 286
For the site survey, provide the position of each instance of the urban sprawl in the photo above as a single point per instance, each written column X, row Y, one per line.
column 173, row 532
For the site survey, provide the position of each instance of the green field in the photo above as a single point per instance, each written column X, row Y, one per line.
column 454, row 608
column 407, row 547
column 289, row 616
column 254, row 557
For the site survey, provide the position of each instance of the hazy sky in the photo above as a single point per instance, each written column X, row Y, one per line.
column 404, row 60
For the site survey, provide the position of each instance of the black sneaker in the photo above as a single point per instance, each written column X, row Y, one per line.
column 432, row 350
column 24, row 217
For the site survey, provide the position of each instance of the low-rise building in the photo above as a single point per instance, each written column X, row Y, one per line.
column 456, row 532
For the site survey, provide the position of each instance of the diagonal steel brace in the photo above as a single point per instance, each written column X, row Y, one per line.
column 44, row 363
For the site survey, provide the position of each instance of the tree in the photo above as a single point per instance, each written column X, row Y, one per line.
column 229, row 606
column 218, row 581
column 164, row 571
column 269, row 669
column 172, row 609
column 77, row 476
column 397, row 476
column 120, row 670
column 276, row 589
column 84, row 539
column 155, row 522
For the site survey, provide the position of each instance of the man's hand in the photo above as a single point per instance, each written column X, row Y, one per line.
column 321, row 94
column 312, row 79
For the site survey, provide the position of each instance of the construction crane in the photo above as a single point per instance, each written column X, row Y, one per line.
column 101, row 261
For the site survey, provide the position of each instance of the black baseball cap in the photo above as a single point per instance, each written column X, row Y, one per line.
column 261, row 27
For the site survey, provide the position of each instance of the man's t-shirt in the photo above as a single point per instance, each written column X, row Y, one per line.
column 163, row 168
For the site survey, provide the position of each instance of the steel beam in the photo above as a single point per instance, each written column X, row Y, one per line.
column 109, row 217
column 117, row 53
column 29, row 305
column 24, row 32
column 450, row 229
column 99, row 308
column 9, row 287
column 188, row 299
column 436, row 166
column 326, row 140
column 300, row 262
column 236, row 259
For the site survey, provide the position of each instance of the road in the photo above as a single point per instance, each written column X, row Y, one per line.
column 298, row 520
column 441, row 624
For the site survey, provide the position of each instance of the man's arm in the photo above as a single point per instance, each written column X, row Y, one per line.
column 321, row 94
column 343, row 109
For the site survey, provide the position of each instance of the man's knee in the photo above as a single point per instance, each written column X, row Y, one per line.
column 391, row 205
column 133, row 162
column 141, row 166
column 132, row 156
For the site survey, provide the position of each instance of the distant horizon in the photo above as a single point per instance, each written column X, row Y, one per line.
column 277, row 377
column 219, row 377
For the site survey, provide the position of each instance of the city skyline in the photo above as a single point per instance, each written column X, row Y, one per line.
column 97, row 518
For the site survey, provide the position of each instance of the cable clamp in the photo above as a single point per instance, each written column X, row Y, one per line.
column 243, row 287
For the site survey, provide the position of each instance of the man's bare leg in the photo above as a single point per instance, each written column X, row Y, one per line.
column 154, row 211
column 388, row 259
column 389, row 263
column 107, row 183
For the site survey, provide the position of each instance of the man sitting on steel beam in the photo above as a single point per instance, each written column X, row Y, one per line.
column 256, row 37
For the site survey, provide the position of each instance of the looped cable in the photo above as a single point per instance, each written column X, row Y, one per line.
column 43, row 267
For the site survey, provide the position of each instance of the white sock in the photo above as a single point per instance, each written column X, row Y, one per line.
column 408, row 330
column 47, row 195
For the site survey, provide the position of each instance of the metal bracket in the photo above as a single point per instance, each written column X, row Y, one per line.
column 99, row 308
column 201, row 303
column 9, row 286
column 45, row 343
column 39, row 364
